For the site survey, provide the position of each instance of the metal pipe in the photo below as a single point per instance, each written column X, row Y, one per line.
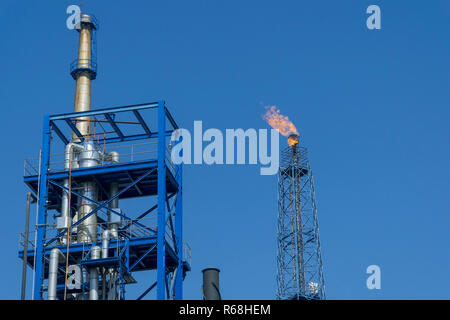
column 70, row 152
column 87, row 230
column 105, row 243
column 105, row 246
column 83, row 85
column 25, row 247
column 114, row 220
column 93, row 274
column 70, row 162
column 210, row 287
column 56, row 256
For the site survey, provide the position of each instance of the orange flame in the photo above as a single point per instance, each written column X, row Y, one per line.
column 292, row 140
column 280, row 123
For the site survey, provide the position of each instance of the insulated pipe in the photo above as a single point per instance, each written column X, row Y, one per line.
column 69, row 154
column 105, row 246
column 93, row 275
column 105, row 243
column 70, row 162
column 56, row 256
column 87, row 230
column 113, row 190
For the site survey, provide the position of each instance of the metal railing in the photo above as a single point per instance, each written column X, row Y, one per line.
column 187, row 252
column 128, row 154
column 145, row 228
column 83, row 64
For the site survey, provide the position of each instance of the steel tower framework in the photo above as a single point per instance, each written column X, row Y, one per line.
column 299, row 262
column 140, row 246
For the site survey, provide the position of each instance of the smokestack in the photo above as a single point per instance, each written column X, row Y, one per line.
column 83, row 71
column 210, row 287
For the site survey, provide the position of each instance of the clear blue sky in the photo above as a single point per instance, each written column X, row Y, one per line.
column 371, row 106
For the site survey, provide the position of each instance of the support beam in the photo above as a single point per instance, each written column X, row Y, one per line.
column 142, row 257
column 114, row 126
column 147, row 291
column 101, row 205
column 97, row 112
column 179, row 235
column 136, row 185
column 42, row 211
column 142, row 122
column 59, row 133
column 171, row 120
column 161, row 243
column 75, row 130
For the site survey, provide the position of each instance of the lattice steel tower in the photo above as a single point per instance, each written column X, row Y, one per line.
column 299, row 260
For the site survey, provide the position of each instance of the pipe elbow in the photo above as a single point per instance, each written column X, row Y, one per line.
column 113, row 156
column 57, row 255
column 106, row 235
column 68, row 157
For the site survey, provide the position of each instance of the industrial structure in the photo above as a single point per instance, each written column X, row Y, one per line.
column 88, row 239
column 299, row 261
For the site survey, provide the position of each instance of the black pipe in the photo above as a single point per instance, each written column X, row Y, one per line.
column 210, row 287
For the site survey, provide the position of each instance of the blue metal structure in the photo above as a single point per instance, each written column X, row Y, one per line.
column 141, row 246
column 299, row 260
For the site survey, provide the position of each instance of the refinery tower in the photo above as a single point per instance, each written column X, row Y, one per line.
column 89, row 236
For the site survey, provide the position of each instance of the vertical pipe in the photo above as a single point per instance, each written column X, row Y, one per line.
column 210, row 287
column 70, row 162
column 105, row 247
column 160, row 249
column 113, row 224
column 83, row 84
column 42, row 211
column 55, row 256
column 93, row 274
column 114, row 221
column 25, row 247
column 87, row 230
column 105, row 243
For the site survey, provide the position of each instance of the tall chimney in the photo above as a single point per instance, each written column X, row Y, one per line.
column 83, row 71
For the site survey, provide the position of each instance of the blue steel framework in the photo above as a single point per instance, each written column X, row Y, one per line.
column 299, row 260
column 156, row 178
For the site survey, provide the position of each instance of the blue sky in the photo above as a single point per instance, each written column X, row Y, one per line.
column 371, row 106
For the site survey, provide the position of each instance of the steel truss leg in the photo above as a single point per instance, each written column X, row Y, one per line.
column 179, row 236
column 42, row 211
column 161, row 242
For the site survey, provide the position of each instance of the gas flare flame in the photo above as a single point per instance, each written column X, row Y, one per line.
column 281, row 123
